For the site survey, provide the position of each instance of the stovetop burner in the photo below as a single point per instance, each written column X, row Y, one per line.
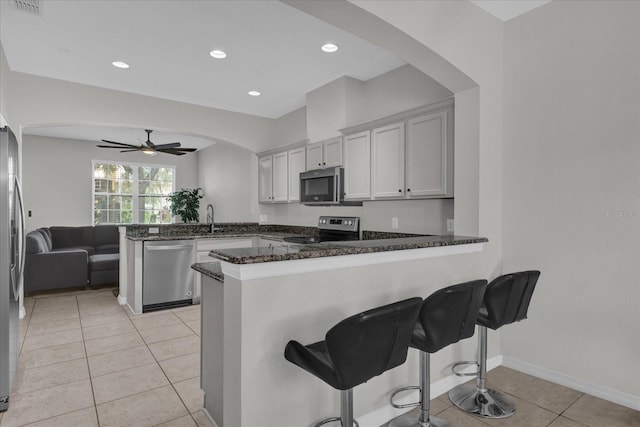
column 331, row 229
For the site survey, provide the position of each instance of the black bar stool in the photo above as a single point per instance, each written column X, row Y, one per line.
column 505, row 301
column 447, row 316
column 357, row 349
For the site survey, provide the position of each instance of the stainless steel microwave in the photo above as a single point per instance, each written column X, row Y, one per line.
column 322, row 186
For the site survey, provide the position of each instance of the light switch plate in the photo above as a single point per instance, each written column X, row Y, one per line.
column 263, row 218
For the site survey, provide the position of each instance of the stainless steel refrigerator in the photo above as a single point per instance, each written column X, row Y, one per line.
column 11, row 260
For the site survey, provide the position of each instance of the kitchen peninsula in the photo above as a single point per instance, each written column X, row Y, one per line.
column 254, row 300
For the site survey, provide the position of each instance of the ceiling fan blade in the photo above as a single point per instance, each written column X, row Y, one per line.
column 128, row 151
column 173, row 151
column 165, row 146
column 109, row 146
column 118, row 143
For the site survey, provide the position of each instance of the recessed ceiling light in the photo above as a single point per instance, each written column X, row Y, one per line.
column 218, row 54
column 254, row 93
column 120, row 64
column 329, row 47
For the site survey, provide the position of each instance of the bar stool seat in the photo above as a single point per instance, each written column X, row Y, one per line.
column 447, row 316
column 506, row 301
column 357, row 349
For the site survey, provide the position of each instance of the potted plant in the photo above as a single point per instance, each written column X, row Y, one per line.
column 186, row 203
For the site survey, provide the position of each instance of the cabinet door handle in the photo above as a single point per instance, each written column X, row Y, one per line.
column 400, row 190
column 324, row 163
column 408, row 189
column 319, row 164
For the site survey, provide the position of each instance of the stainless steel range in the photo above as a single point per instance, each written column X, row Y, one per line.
column 332, row 229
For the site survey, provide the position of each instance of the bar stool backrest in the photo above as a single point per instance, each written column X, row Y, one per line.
column 507, row 299
column 369, row 343
column 448, row 315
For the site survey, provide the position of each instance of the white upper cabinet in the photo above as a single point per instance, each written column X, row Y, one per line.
column 280, row 178
column 266, row 178
column 332, row 152
column 410, row 155
column 357, row 166
column 324, row 154
column 429, row 162
column 297, row 164
column 387, row 161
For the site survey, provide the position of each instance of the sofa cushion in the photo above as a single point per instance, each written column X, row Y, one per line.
column 105, row 235
column 67, row 237
column 90, row 250
column 35, row 243
column 103, row 262
column 46, row 234
column 113, row 248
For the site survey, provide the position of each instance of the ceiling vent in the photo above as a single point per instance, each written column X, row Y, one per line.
column 30, row 6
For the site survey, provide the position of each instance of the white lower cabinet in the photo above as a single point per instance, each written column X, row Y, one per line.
column 203, row 246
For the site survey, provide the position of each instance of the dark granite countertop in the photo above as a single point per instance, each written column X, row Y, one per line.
column 216, row 235
column 210, row 269
column 327, row 249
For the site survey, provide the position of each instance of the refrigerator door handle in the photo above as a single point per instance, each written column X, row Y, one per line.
column 18, row 282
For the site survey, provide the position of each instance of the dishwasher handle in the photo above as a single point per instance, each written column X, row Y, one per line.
column 168, row 247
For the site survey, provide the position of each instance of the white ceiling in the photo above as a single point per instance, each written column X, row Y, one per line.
column 508, row 9
column 272, row 48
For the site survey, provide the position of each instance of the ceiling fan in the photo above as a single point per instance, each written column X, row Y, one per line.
column 149, row 147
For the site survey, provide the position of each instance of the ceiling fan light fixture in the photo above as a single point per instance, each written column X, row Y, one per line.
column 149, row 151
column 218, row 54
column 254, row 93
column 120, row 64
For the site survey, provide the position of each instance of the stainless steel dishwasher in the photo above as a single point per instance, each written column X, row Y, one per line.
column 167, row 277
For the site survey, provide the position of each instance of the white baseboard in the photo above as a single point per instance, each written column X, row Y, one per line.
column 615, row 396
column 384, row 414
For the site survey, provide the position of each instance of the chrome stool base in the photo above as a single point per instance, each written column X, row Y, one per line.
column 411, row 419
column 331, row 420
column 484, row 403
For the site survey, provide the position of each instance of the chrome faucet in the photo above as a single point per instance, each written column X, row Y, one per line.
column 210, row 215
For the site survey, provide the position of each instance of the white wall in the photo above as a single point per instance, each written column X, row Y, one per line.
column 57, row 177
column 399, row 90
column 42, row 101
column 572, row 189
column 229, row 176
column 290, row 128
column 414, row 216
column 4, row 84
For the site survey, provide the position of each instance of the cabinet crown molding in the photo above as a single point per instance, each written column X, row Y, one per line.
column 398, row 117
column 302, row 143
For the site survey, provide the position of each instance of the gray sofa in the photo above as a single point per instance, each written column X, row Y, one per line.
column 66, row 257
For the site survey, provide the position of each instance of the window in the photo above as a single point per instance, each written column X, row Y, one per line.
column 129, row 193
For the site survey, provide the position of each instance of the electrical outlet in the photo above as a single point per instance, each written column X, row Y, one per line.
column 154, row 230
column 450, row 225
column 263, row 218
column 394, row 222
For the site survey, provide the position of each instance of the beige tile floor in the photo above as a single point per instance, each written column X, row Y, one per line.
column 86, row 361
